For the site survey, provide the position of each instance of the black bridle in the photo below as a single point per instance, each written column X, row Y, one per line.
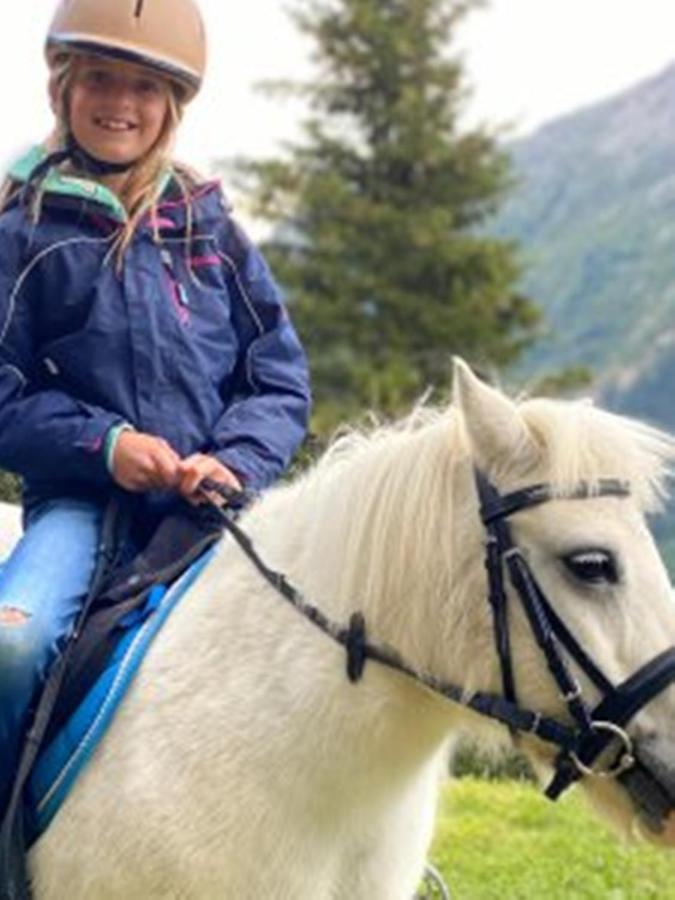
column 592, row 729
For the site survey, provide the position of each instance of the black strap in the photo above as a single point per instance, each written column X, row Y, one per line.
column 500, row 547
column 500, row 506
column 498, row 543
column 575, row 649
column 359, row 649
column 584, row 740
column 618, row 707
column 80, row 158
column 92, row 165
column 531, row 598
column 626, row 700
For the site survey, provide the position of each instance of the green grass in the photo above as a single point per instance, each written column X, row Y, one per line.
column 504, row 840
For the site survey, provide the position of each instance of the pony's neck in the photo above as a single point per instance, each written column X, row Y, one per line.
column 381, row 528
column 382, row 531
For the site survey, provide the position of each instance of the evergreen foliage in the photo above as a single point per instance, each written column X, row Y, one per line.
column 10, row 490
column 379, row 207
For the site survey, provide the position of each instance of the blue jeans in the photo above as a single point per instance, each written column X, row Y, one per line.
column 42, row 587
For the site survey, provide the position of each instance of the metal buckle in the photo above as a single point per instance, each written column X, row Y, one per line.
column 625, row 761
column 574, row 694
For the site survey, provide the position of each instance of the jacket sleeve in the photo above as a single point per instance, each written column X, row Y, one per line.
column 268, row 400
column 45, row 434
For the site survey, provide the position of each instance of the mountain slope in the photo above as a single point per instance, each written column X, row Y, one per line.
column 594, row 210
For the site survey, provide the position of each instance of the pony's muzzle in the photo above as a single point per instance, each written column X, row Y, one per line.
column 651, row 786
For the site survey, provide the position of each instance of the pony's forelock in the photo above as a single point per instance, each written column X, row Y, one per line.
column 580, row 441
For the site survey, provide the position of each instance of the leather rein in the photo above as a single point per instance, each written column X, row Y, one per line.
column 592, row 729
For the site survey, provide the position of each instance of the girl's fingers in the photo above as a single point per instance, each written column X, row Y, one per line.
column 143, row 462
column 198, row 467
column 192, row 474
column 166, row 467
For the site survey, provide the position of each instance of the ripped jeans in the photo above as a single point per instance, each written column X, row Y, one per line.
column 42, row 587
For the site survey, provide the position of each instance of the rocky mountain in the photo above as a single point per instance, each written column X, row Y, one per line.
column 594, row 211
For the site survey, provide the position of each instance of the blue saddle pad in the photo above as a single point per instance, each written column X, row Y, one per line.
column 60, row 763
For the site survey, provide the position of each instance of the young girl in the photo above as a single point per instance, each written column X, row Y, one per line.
column 143, row 342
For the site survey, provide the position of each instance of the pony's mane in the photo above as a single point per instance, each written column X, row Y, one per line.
column 370, row 490
column 579, row 441
column 387, row 494
column 390, row 509
column 352, row 443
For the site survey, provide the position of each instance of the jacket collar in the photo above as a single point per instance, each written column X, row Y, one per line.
column 207, row 197
column 72, row 186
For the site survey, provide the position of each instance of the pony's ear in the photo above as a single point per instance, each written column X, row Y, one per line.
column 496, row 430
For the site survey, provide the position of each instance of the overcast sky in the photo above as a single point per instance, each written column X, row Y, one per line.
column 527, row 61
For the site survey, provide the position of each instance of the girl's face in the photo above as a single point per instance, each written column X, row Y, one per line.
column 116, row 109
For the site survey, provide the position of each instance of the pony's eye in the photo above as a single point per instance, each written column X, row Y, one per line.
column 593, row 566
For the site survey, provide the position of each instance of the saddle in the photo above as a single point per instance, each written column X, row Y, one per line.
column 118, row 594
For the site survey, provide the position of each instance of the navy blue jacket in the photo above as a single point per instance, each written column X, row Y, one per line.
column 190, row 341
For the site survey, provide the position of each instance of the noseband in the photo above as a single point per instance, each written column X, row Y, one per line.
column 592, row 729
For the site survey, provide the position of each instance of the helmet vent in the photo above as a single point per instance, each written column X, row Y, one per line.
column 139, row 8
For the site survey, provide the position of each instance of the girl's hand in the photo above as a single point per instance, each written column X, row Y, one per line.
column 143, row 462
column 194, row 469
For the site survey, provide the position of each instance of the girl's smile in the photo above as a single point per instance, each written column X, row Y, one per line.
column 116, row 109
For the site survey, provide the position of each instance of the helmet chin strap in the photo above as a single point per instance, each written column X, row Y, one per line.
column 80, row 158
column 92, row 165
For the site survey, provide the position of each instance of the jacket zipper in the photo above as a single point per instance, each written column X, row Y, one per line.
column 177, row 292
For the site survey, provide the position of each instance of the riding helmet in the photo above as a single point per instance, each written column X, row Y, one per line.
column 164, row 35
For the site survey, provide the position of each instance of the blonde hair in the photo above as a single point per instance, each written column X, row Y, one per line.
column 140, row 191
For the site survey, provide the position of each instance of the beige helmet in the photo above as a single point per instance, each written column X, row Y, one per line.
column 165, row 35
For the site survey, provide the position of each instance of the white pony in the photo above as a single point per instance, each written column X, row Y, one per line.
column 243, row 763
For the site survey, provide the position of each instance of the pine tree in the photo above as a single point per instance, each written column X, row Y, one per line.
column 9, row 488
column 379, row 210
